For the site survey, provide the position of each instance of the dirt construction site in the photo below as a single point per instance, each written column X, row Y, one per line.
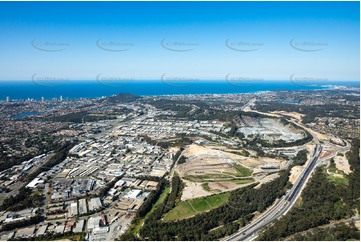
column 211, row 170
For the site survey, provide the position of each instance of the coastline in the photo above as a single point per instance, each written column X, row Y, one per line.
column 94, row 90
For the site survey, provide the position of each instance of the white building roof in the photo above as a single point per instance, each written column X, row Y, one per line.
column 133, row 193
column 34, row 183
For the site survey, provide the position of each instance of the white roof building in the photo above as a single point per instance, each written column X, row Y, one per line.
column 79, row 226
column 133, row 194
column 82, row 206
column 34, row 183
column 73, row 209
column 94, row 222
column 95, row 203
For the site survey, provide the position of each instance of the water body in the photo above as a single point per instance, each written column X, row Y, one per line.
column 26, row 114
column 95, row 89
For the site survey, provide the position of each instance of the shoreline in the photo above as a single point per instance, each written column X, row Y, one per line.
column 311, row 87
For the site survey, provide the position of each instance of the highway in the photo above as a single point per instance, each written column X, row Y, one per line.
column 250, row 231
column 284, row 204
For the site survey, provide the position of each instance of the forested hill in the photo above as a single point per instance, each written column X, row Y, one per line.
column 123, row 97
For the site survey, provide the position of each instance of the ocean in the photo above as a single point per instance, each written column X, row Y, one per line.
column 93, row 89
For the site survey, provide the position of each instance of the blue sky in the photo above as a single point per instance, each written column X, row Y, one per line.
column 190, row 40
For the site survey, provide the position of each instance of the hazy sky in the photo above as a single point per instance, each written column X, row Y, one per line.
column 256, row 40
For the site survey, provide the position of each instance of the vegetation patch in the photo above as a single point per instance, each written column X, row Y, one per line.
column 205, row 187
column 243, row 181
column 189, row 208
column 241, row 170
column 339, row 232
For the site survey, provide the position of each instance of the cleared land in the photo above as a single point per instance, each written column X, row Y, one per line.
column 295, row 172
column 207, row 163
column 342, row 164
column 228, row 185
column 270, row 129
column 194, row 190
column 290, row 114
column 211, row 169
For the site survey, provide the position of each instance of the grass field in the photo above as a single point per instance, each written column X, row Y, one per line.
column 339, row 180
column 242, row 171
column 189, row 208
column 205, row 187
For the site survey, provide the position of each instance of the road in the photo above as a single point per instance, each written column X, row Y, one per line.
column 250, row 231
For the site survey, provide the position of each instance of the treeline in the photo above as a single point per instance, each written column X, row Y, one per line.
column 300, row 159
column 176, row 192
column 60, row 155
column 179, row 152
column 24, row 199
column 7, row 162
column 144, row 210
column 123, row 97
column 40, row 142
column 221, row 232
column 104, row 190
column 242, row 205
column 180, row 107
column 150, row 178
column 311, row 112
column 339, row 232
column 18, row 224
column 12, row 203
column 50, row 236
column 253, row 114
column 81, row 116
column 233, row 132
column 182, row 160
column 152, row 198
column 184, row 108
column 353, row 192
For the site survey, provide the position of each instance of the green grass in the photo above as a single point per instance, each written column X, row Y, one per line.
column 243, row 181
column 339, row 180
column 200, row 204
column 203, row 178
column 241, row 170
column 159, row 201
column 217, row 200
column 189, row 208
column 205, row 187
